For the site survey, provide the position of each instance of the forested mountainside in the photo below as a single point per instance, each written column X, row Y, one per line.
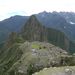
column 12, row 24
column 59, row 21
column 33, row 49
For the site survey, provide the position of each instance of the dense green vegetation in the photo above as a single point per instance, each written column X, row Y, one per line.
column 27, row 52
column 8, row 58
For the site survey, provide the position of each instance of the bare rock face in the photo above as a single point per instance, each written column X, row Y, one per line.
column 68, row 72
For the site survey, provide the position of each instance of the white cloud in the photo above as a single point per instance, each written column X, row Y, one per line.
column 33, row 6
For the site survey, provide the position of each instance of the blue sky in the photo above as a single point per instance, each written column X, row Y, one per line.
column 27, row 7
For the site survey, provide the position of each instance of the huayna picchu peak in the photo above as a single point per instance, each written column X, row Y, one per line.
column 33, row 30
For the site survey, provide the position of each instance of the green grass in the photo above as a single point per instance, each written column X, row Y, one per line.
column 35, row 46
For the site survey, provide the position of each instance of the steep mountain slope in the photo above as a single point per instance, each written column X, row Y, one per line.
column 11, row 24
column 58, row 38
column 8, row 57
column 33, row 30
column 69, row 16
column 57, row 21
column 51, row 19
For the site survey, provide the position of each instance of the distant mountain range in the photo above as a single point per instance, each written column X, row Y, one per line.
column 63, row 21
column 11, row 24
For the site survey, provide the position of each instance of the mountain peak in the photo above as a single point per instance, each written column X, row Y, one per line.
column 33, row 21
column 33, row 17
column 33, row 30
